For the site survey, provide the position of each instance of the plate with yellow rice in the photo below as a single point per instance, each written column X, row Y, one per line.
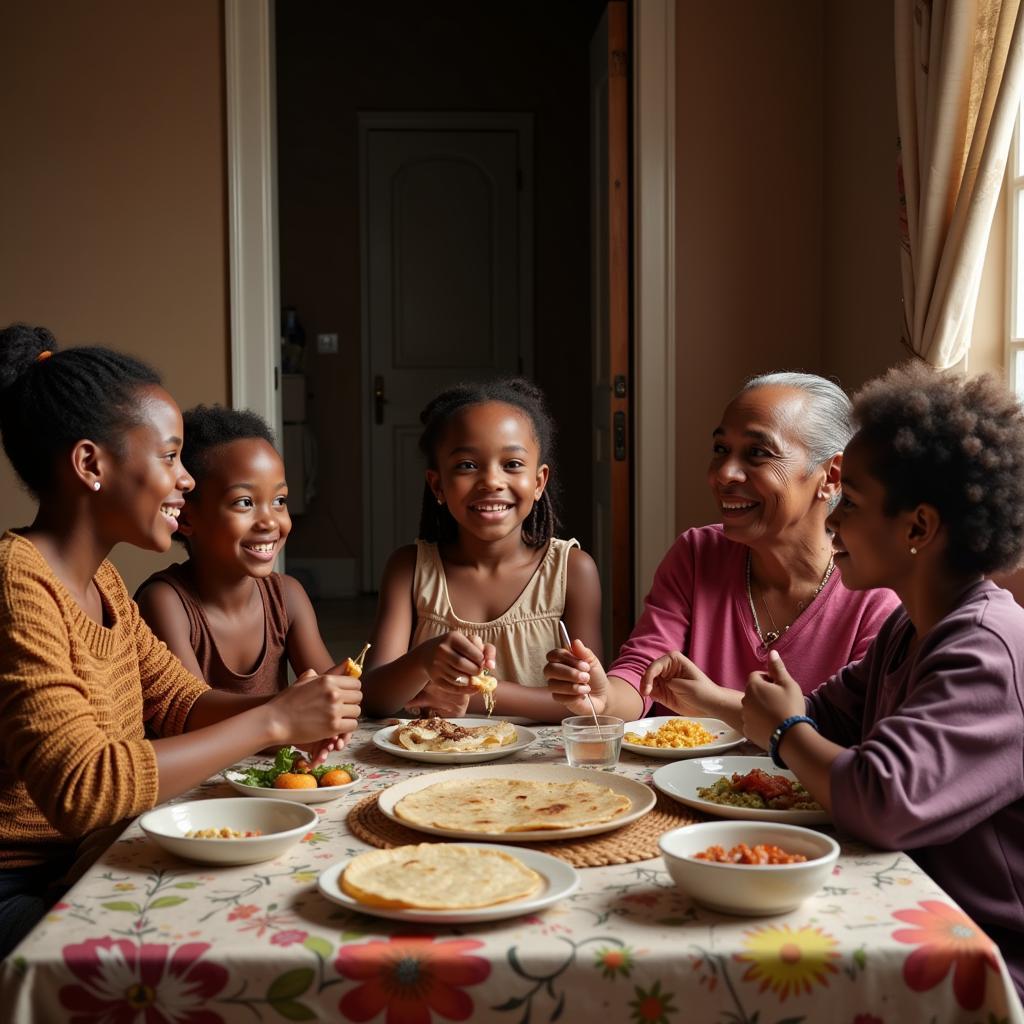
column 674, row 737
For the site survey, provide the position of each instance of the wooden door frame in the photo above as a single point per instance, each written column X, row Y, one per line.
column 253, row 249
column 522, row 125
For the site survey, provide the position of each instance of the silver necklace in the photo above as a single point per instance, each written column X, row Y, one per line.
column 770, row 636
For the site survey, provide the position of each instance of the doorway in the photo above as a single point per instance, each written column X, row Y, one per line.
column 250, row 69
column 342, row 68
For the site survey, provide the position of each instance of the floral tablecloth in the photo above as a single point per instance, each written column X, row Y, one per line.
column 146, row 937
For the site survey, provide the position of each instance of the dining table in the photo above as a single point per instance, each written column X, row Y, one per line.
column 144, row 936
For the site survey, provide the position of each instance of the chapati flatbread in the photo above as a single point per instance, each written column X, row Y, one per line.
column 438, row 876
column 440, row 734
column 511, row 805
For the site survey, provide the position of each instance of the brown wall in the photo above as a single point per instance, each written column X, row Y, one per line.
column 113, row 193
column 749, row 212
column 862, row 290
column 335, row 60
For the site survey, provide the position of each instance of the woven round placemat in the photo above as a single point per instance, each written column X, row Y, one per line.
column 636, row 841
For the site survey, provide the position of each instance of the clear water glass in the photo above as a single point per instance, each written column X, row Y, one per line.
column 590, row 743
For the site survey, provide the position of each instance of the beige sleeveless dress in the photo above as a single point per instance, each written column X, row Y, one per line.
column 522, row 636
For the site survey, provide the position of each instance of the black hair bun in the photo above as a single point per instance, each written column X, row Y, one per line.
column 20, row 347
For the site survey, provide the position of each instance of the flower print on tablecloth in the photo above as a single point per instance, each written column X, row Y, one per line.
column 120, row 980
column 946, row 938
column 412, row 976
column 651, row 1006
column 788, row 960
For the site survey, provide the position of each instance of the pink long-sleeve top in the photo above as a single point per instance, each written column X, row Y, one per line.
column 698, row 604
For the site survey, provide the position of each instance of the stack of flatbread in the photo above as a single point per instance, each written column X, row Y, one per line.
column 441, row 735
column 438, row 876
column 510, row 805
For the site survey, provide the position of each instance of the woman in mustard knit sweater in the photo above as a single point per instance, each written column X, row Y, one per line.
column 83, row 681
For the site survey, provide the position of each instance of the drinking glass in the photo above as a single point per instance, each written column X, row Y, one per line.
column 590, row 743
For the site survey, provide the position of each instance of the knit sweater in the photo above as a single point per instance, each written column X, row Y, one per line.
column 76, row 700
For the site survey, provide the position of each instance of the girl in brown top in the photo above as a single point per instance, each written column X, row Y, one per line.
column 97, row 441
column 225, row 613
column 487, row 582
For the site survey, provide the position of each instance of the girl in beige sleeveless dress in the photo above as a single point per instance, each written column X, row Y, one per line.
column 487, row 582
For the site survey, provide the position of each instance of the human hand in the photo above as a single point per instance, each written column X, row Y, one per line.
column 676, row 682
column 441, row 700
column 450, row 659
column 770, row 698
column 573, row 675
column 315, row 707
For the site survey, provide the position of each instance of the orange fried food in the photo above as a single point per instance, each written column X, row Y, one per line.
column 337, row 777
column 354, row 666
column 289, row 780
column 485, row 684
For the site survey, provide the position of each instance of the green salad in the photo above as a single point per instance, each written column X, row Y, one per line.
column 288, row 760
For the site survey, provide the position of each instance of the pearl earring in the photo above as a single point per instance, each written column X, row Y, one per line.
column 440, row 501
column 913, row 551
column 96, row 485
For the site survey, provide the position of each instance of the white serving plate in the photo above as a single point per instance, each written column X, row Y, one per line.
column 382, row 739
column 681, row 780
column 283, row 823
column 560, row 880
column 725, row 738
column 320, row 795
column 642, row 799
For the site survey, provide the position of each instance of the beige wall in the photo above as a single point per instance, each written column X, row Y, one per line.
column 113, row 192
column 786, row 245
column 748, row 212
column 862, row 305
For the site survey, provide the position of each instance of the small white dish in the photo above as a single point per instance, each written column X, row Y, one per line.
column 320, row 795
column 560, row 880
column 756, row 890
column 641, row 798
column 282, row 824
column 681, row 780
column 725, row 738
column 382, row 739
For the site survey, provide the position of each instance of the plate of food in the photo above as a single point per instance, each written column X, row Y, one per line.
column 453, row 740
column 516, row 803
column 675, row 737
column 750, row 788
column 449, row 883
column 291, row 777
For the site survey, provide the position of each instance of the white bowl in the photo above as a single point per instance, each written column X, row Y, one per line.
column 281, row 822
column 748, row 889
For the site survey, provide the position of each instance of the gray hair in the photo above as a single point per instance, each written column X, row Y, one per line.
column 826, row 421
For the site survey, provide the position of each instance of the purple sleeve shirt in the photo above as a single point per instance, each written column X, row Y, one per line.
column 935, row 758
column 698, row 604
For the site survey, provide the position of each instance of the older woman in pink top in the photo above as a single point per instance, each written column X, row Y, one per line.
column 726, row 595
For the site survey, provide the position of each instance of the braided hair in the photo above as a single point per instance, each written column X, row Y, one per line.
column 436, row 522
column 50, row 400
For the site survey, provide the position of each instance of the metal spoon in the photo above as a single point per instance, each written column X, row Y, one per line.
column 567, row 644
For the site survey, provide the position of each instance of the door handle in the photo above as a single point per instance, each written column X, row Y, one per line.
column 619, row 436
column 378, row 400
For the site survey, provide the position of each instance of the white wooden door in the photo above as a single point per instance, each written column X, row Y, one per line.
column 447, row 288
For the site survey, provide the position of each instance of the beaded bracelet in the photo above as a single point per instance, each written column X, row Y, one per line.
column 780, row 730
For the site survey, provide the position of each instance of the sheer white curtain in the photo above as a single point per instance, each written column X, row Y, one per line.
column 959, row 67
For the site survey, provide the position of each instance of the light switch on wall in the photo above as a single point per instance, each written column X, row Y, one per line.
column 327, row 344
